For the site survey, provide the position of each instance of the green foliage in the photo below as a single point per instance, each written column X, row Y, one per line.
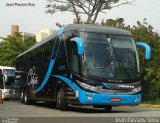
column 29, row 41
column 150, row 70
column 12, row 46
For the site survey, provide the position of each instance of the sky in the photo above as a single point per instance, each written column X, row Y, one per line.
column 33, row 19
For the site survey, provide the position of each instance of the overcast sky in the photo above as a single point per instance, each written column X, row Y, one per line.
column 33, row 19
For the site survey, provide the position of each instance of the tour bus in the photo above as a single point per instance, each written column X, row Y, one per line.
column 82, row 65
column 7, row 76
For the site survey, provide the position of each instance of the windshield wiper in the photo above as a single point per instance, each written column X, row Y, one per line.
column 120, row 62
column 124, row 67
column 106, row 65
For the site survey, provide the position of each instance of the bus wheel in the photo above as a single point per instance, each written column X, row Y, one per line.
column 26, row 100
column 61, row 102
column 52, row 104
column 108, row 108
column 22, row 97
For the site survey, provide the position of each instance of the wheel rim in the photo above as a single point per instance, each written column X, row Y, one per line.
column 22, row 96
column 25, row 98
column 58, row 99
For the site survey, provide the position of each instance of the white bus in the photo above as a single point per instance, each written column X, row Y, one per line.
column 7, row 77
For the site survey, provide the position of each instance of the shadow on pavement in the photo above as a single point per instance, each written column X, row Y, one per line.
column 86, row 109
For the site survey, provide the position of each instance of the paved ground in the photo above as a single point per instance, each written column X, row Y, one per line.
column 16, row 109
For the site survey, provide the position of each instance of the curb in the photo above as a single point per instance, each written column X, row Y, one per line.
column 143, row 106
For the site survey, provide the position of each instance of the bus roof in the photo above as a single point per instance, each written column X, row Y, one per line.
column 82, row 27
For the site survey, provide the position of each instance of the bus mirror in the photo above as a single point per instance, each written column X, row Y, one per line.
column 147, row 49
column 80, row 45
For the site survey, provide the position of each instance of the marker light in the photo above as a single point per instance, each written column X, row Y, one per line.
column 115, row 99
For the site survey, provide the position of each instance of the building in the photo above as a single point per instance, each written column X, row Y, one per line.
column 43, row 34
column 15, row 28
column 26, row 35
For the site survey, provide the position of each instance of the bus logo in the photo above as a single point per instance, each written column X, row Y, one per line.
column 32, row 78
column 126, row 86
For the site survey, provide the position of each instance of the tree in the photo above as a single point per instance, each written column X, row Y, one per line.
column 12, row 46
column 29, row 41
column 90, row 8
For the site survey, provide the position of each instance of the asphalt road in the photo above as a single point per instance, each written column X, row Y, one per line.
column 17, row 109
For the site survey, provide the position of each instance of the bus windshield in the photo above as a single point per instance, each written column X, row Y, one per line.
column 9, row 72
column 110, row 56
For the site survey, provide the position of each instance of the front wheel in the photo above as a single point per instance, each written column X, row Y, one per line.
column 108, row 108
column 61, row 102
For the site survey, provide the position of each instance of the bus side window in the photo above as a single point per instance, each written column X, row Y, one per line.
column 48, row 49
column 74, row 59
column 31, row 58
column 61, row 54
column 39, row 55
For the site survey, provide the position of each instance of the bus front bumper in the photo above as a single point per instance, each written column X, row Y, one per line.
column 86, row 98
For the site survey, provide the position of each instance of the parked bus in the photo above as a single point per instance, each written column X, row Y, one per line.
column 82, row 65
column 7, row 77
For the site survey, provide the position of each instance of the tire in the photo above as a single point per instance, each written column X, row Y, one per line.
column 108, row 108
column 7, row 99
column 61, row 101
column 22, row 97
column 26, row 100
column 52, row 104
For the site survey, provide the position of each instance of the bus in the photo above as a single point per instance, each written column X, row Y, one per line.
column 7, row 77
column 82, row 65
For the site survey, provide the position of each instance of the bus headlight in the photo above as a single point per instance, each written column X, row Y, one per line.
column 86, row 86
column 137, row 89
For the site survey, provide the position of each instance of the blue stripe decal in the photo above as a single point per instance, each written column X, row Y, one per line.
column 100, row 99
column 47, row 76
column 106, row 85
column 68, row 81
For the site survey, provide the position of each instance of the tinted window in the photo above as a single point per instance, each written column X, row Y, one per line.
column 32, row 57
column 39, row 54
column 61, row 50
column 9, row 72
column 74, row 59
column 48, row 49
